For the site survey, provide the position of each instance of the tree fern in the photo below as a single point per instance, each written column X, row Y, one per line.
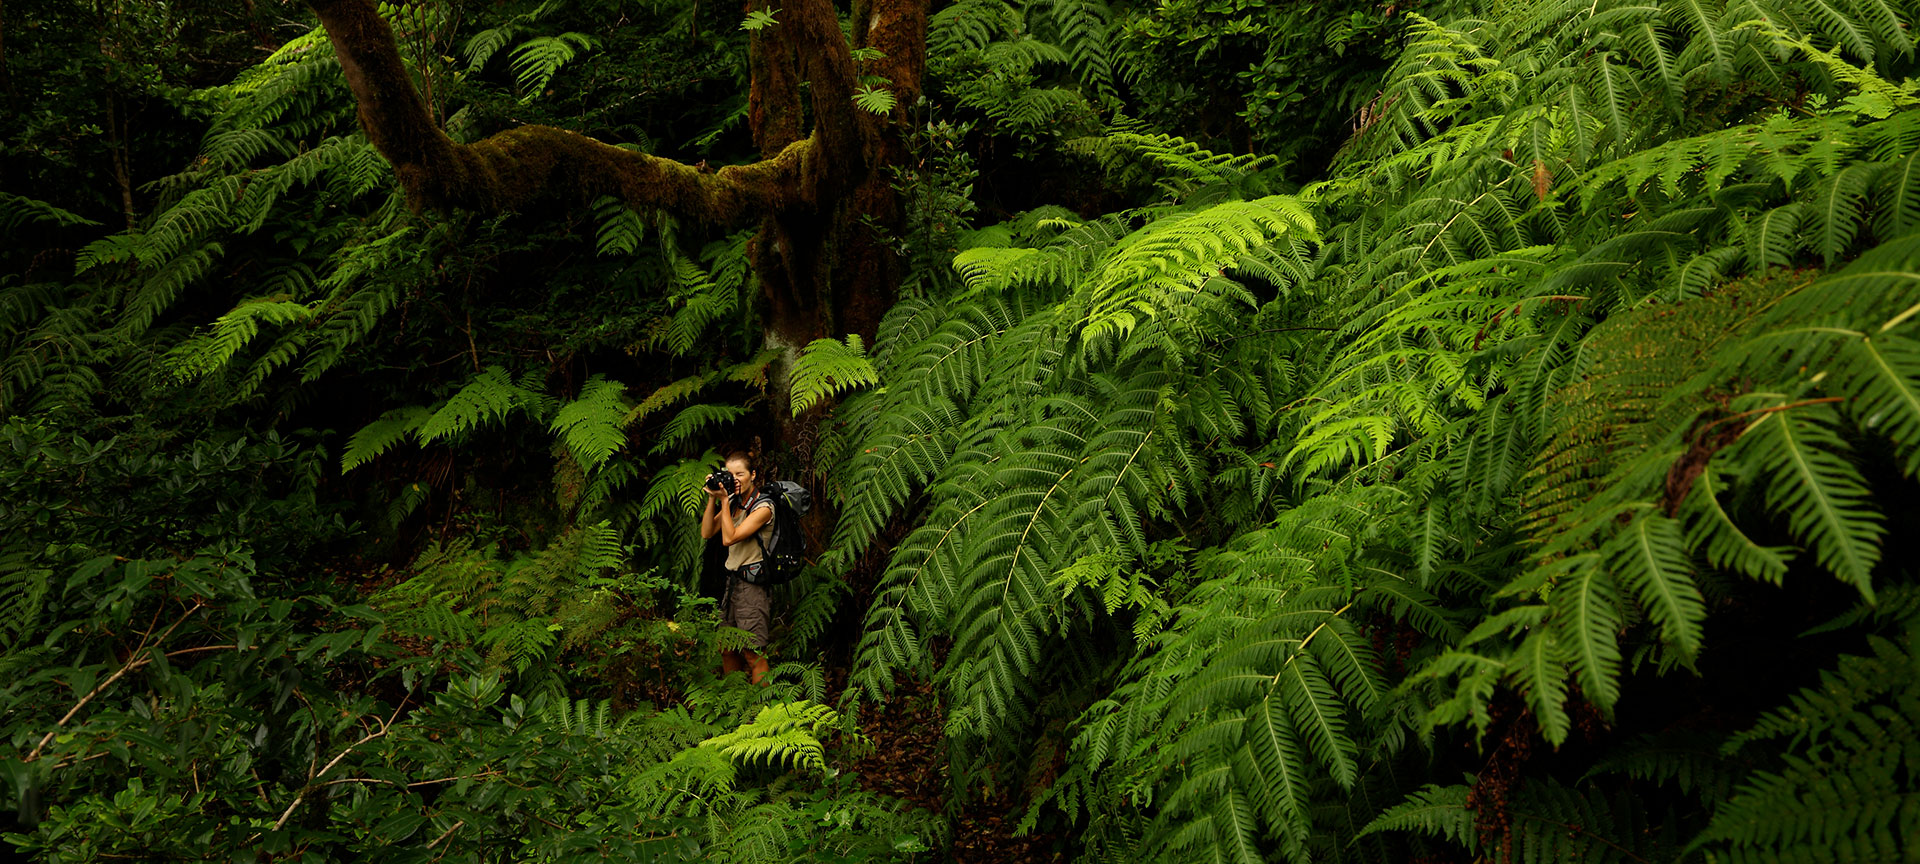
column 1725, row 544
column 18, row 210
column 1436, row 811
column 621, row 228
column 1178, row 260
column 521, row 642
column 692, row 420
column 1544, row 346
column 231, row 333
column 26, row 594
column 1838, row 208
column 1648, row 553
column 966, row 26
column 700, row 299
column 1083, row 29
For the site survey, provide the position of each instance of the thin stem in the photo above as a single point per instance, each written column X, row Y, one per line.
column 134, row 661
column 443, row 835
column 385, row 726
column 1701, row 435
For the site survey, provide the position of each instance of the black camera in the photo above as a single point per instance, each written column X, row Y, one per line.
column 723, row 479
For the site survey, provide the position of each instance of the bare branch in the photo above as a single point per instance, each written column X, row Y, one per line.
column 385, row 726
column 137, row 659
column 285, row 814
column 448, row 833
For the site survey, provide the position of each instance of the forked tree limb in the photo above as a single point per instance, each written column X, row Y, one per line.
column 520, row 165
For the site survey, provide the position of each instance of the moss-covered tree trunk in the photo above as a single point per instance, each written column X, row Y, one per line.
column 822, row 270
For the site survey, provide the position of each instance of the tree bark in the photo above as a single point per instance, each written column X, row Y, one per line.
column 118, row 149
column 898, row 29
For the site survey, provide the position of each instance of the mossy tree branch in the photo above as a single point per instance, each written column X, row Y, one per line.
column 517, row 166
column 818, row 265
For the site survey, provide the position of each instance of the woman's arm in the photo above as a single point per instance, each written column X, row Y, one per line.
column 731, row 533
column 709, row 524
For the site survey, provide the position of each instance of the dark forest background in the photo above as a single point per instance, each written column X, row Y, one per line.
column 1241, row 430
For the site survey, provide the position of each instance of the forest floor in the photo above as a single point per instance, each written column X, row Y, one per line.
column 909, row 761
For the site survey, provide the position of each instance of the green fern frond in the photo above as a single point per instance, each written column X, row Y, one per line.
column 22, row 601
column 488, row 398
column 621, row 228
column 1688, row 760
column 593, row 426
column 537, row 59
column 968, row 26
column 1436, row 811
column 1847, row 786
column 784, row 734
column 828, row 368
column 1162, row 269
column 18, row 210
column 1710, row 527
column 1648, row 557
column 522, row 642
column 1898, row 190
column 702, row 298
column 1819, row 492
column 669, row 395
column 232, row 332
column 1551, row 822
column 1839, row 211
column 481, row 46
column 1586, row 607
column 1083, row 31
column 379, row 436
column 693, row 420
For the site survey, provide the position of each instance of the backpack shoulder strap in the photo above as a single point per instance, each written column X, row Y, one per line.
column 767, row 530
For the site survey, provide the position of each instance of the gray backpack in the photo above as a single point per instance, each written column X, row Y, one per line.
column 783, row 545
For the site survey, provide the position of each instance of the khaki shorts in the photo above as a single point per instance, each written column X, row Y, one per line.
column 747, row 607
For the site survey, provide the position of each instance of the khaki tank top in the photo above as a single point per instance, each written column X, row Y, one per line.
column 749, row 550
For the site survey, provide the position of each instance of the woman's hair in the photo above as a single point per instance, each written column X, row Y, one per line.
column 753, row 466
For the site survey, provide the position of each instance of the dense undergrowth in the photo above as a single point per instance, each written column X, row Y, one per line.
column 1535, row 483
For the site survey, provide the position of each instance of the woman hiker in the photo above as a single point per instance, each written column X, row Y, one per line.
column 741, row 516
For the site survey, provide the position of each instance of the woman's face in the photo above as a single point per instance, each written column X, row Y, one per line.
column 742, row 476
